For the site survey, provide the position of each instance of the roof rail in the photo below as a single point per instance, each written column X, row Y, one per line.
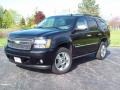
column 85, row 15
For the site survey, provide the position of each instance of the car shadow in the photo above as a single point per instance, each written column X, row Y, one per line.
column 85, row 59
column 82, row 60
column 108, row 53
column 46, row 71
column 75, row 63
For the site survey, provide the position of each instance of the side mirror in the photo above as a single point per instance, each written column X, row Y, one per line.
column 81, row 27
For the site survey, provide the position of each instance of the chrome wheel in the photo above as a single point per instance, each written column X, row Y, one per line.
column 103, row 51
column 62, row 61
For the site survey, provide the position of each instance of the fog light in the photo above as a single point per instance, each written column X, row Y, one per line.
column 41, row 61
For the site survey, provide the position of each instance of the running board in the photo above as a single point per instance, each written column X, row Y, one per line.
column 83, row 55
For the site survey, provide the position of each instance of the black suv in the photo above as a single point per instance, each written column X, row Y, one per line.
column 57, row 40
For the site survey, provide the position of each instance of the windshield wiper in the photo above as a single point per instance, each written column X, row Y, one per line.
column 53, row 27
column 40, row 27
column 48, row 27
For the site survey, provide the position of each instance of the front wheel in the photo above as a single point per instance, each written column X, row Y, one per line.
column 102, row 51
column 62, row 62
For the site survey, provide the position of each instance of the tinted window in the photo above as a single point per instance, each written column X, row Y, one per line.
column 102, row 25
column 92, row 23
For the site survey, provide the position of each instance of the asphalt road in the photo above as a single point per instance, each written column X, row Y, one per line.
column 87, row 73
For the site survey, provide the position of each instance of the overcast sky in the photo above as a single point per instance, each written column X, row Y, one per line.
column 108, row 8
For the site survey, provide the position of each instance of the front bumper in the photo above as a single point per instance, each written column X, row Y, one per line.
column 32, row 58
column 36, row 66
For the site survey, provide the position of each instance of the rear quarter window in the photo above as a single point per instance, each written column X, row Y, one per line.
column 102, row 24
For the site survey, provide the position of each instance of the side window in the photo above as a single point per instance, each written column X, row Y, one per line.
column 81, row 22
column 92, row 23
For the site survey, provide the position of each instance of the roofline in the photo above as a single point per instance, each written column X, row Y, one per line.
column 85, row 15
column 80, row 15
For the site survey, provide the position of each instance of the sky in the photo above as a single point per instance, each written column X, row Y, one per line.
column 108, row 8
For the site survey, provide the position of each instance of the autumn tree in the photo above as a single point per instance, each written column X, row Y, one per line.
column 39, row 16
column 88, row 7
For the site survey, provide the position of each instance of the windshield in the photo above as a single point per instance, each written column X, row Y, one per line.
column 60, row 22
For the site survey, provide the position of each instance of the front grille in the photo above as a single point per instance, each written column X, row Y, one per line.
column 20, row 43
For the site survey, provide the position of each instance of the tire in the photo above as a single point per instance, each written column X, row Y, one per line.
column 101, row 53
column 62, row 61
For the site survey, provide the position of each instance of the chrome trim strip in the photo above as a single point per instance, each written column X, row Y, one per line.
column 78, row 45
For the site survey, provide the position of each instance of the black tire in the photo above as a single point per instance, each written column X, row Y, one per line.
column 99, row 52
column 54, row 68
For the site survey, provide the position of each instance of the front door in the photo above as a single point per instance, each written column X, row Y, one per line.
column 84, row 41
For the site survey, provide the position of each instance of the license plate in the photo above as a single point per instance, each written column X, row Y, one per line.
column 17, row 59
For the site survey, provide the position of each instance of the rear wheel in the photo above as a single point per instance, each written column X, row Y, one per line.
column 102, row 51
column 62, row 62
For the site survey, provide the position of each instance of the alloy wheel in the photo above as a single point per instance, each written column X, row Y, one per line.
column 62, row 61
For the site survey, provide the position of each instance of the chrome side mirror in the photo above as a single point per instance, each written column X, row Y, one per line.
column 81, row 27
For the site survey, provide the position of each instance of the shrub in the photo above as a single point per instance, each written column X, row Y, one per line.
column 2, row 34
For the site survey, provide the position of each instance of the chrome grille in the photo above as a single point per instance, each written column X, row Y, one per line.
column 20, row 43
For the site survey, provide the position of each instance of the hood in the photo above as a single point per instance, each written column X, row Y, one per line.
column 37, row 32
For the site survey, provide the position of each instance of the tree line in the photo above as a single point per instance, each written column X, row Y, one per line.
column 6, row 17
column 31, row 21
column 10, row 18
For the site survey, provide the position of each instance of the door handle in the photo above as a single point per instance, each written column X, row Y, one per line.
column 99, row 34
column 89, row 35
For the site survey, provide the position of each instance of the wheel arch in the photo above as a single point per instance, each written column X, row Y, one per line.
column 65, row 44
column 104, row 39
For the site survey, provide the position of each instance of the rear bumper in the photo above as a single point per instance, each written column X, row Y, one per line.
column 32, row 58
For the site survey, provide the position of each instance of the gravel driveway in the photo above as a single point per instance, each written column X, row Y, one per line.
column 87, row 73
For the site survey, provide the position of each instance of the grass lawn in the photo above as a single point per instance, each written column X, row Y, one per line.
column 3, row 42
column 3, row 35
column 115, row 38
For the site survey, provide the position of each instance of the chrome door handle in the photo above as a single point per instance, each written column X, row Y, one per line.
column 89, row 35
column 99, row 34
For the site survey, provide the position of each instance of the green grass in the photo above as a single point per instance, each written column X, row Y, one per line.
column 114, row 37
column 3, row 42
column 3, row 35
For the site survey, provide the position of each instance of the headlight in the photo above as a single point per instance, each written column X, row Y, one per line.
column 42, row 43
